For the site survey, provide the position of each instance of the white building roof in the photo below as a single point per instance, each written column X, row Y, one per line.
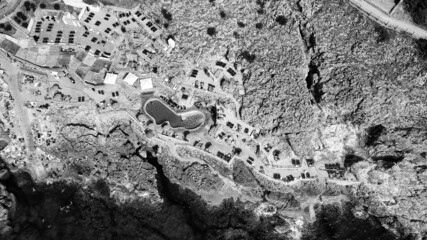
column 110, row 78
column 130, row 78
column 171, row 43
column 146, row 83
column 76, row 3
column 70, row 19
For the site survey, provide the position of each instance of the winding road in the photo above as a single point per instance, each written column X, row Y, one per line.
column 389, row 22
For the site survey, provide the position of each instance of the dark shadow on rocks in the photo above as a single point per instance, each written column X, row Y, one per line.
column 351, row 159
column 417, row 9
column 421, row 46
column 389, row 160
column 338, row 222
column 374, row 134
column 65, row 210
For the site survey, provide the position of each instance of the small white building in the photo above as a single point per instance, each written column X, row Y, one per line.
column 130, row 78
column 110, row 78
column 146, row 84
column 55, row 75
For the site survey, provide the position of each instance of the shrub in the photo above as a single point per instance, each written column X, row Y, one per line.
column 248, row 57
column 281, row 20
column 258, row 25
column 222, row 14
column 166, row 14
column 241, row 24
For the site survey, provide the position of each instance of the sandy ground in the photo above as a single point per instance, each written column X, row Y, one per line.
column 12, row 70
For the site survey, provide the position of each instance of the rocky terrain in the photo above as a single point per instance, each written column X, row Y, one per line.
column 310, row 68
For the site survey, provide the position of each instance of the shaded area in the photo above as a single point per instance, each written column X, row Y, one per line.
column 388, row 161
column 374, row 134
column 417, row 9
column 313, row 80
column 421, row 46
column 382, row 33
column 351, row 159
column 67, row 211
column 336, row 222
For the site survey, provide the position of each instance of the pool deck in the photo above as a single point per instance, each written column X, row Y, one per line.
column 183, row 115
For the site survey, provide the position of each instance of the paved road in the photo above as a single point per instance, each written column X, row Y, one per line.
column 388, row 21
column 11, row 6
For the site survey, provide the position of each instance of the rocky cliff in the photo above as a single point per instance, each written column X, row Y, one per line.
column 311, row 69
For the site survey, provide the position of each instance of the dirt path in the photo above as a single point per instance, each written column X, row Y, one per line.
column 21, row 114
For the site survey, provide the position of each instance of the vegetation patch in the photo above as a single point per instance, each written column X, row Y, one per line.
column 7, row 28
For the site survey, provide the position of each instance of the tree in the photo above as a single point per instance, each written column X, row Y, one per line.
column 281, row 20
column 258, row 25
column 18, row 20
column 56, row 6
column 211, row 31
column 222, row 14
column 42, row 5
column 241, row 24
column 186, row 133
column 8, row 27
column 248, row 57
column 27, row 6
column 208, row 145
column 237, row 151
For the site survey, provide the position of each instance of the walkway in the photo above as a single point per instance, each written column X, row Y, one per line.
column 387, row 21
